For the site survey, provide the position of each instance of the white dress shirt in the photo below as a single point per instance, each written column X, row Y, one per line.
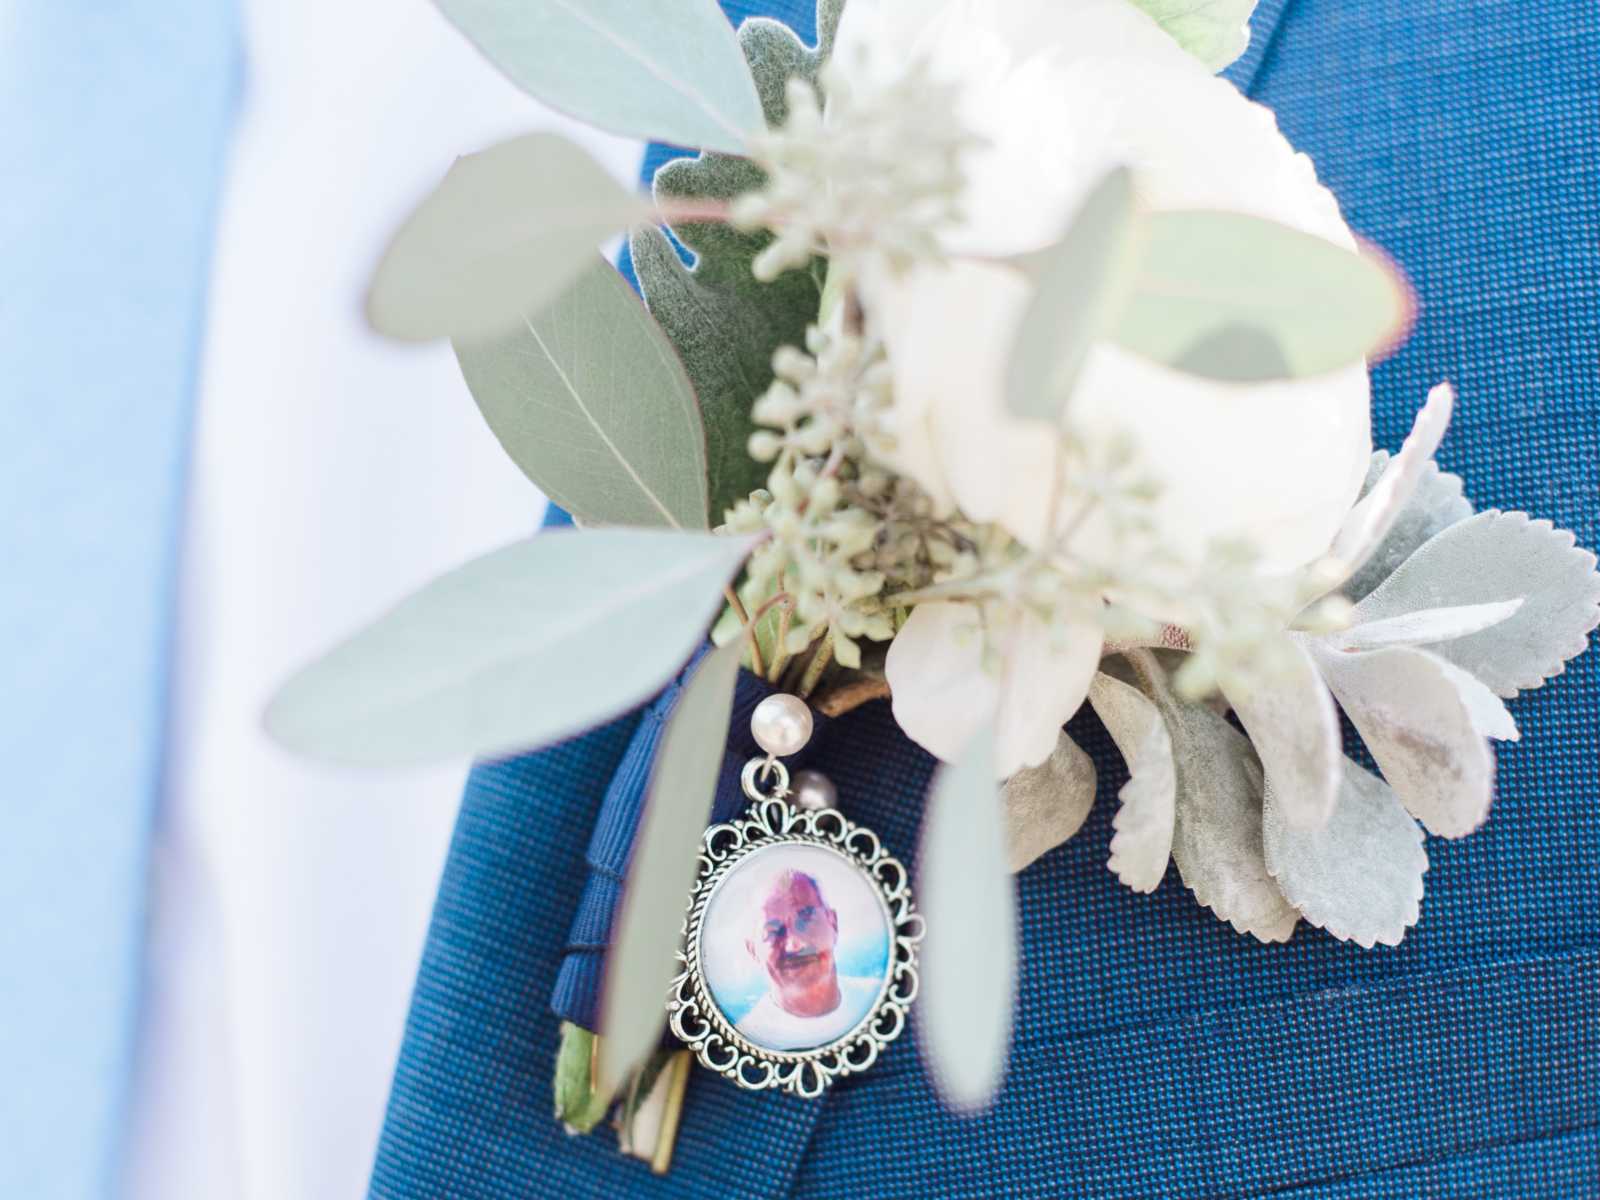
column 332, row 473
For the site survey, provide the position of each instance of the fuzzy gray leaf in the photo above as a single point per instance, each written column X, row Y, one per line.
column 969, row 956
column 1492, row 557
column 517, row 649
column 683, row 783
column 1436, row 504
column 1426, row 625
column 1295, row 730
column 1360, row 875
column 1047, row 804
column 724, row 323
column 1421, row 731
column 1216, row 839
column 669, row 72
column 1142, row 841
column 1368, row 523
column 590, row 400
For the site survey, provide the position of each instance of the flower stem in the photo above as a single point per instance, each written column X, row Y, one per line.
column 818, row 664
column 739, row 611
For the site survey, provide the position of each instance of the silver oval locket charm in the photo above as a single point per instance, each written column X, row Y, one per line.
column 800, row 945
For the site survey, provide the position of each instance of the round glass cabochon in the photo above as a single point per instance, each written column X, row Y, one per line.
column 794, row 946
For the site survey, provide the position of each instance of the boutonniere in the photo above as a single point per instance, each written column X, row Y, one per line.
column 995, row 359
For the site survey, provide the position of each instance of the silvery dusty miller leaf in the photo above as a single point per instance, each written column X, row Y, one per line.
column 1409, row 709
column 1424, row 626
column 1047, row 804
column 1205, row 274
column 1360, row 875
column 642, row 960
column 1214, row 31
column 1142, row 843
column 1295, row 731
column 1367, row 524
column 1080, row 282
column 724, row 323
column 589, row 399
column 517, row 649
column 1436, row 504
column 669, row 72
column 1216, row 839
column 1501, row 556
column 506, row 231
column 969, row 956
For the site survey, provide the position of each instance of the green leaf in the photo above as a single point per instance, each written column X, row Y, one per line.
column 580, row 1105
column 590, row 400
column 642, row 959
column 724, row 323
column 1081, row 283
column 517, row 649
column 504, row 233
column 969, row 956
column 1214, row 31
column 1239, row 298
column 666, row 70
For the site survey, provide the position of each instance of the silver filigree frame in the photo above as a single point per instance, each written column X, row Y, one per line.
column 694, row 1016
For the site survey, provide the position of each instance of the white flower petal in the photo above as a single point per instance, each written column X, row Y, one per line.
column 1360, row 875
column 1142, row 842
column 1062, row 93
column 945, row 687
column 1409, row 710
column 1295, row 730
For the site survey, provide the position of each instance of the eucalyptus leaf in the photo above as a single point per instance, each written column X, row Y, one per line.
column 1255, row 284
column 580, row 1105
column 1436, row 504
column 517, row 649
column 1360, row 875
column 969, row 956
column 1142, row 842
column 1047, row 804
column 666, row 70
column 503, row 234
column 589, row 399
column 725, row 324
column 1368, row 523
column 1494, row 557
column 1295, row 731
column 1080, row 284
column 649, row 923
column 1421, row 731
column 1215, row 31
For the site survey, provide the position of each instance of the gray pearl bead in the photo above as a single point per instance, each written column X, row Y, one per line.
column 812, row 790
column 781, row 725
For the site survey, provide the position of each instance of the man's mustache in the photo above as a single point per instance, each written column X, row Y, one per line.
column 794, row 961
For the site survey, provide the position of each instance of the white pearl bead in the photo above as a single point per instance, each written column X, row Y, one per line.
column 812, row 790
column 781, row 724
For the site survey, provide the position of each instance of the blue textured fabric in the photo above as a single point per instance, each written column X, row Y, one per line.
column 113, row 116
column 1158, row 1053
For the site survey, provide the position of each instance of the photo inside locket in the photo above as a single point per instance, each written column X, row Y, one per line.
column 794, row 947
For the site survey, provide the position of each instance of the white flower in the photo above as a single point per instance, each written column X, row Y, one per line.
column 1061, row 92
column 954, row 666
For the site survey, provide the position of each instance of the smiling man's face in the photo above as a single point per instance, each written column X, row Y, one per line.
column 794, row 941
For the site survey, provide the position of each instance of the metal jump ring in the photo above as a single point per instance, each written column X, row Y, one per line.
column 764, row 768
